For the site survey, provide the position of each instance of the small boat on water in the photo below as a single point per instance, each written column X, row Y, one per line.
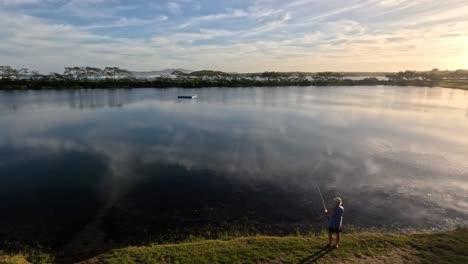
column 187, row 96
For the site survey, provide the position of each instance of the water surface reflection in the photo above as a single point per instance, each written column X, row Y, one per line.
column 140, row 165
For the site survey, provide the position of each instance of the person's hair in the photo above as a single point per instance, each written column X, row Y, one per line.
column 338, row 201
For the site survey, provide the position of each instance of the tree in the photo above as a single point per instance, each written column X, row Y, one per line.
column 179, row 73
column 93, row 73
column 426, row 76
column 327, row 76
column 123, row 73
column 392, row 77
column 8, row 73
column 23, row 73
column 117, row 73
column 35, row 75
column 460, row 74
column 53, row 76
column 74, row 73
column 208, row 73
column 407, row 75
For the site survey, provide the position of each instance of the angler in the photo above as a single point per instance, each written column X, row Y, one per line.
column 335, row 221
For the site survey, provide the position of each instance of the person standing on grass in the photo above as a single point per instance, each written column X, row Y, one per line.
column 335, row 221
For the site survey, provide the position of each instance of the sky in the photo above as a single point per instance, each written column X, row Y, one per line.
column 235, row 35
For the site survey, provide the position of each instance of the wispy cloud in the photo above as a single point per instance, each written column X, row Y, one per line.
column 235, row 36
column 18, row 2
column 174, row 8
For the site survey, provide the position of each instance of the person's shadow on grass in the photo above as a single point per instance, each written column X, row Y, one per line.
column 317, row 255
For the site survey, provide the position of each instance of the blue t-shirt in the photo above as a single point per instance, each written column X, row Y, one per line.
column 336, row 218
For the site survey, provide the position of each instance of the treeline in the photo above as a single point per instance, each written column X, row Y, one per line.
column 262, row 75
column 434, row 75
column 168, row 83
column 114, row 77
column 70, row 73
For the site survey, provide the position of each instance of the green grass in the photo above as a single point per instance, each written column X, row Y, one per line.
column 14, row 259
column 441, row 247
column 26, row 256
column 458, row 84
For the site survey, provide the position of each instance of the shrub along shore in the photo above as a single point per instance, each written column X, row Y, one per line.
column 200, row 83
column 113, row 77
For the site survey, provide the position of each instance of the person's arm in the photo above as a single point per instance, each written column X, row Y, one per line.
column 328, row 212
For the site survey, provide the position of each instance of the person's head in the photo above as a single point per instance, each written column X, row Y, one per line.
column 338, row 201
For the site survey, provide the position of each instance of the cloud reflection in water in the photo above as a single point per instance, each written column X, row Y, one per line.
column 244, row 156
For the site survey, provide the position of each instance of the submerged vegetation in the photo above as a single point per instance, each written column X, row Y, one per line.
column 113, row 77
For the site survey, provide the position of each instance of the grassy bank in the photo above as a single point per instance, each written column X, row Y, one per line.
column 13, row 259
column 456, row 84
column 26, row 256
column 436, row 247
column 441, row 247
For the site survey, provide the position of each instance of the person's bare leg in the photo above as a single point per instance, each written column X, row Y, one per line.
column 337, row 239
column 330, row 236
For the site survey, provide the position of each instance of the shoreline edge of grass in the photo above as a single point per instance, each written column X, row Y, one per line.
column 421, row 247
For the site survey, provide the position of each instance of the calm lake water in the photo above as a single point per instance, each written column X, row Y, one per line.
column 128, row 166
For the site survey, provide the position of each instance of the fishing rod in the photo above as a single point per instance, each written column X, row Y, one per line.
column 318, row 188
column 317, row 165
column 321, row 197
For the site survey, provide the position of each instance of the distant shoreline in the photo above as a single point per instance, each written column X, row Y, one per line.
column 6, row 85
column 114, row 77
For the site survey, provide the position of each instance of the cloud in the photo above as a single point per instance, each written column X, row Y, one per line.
column 213, row 18
column 265, row 35
column 10, row 3
column 174, row 8
column 390, row 3
column 124, row 22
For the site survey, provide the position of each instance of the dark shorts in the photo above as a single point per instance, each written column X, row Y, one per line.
column 335, row 230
